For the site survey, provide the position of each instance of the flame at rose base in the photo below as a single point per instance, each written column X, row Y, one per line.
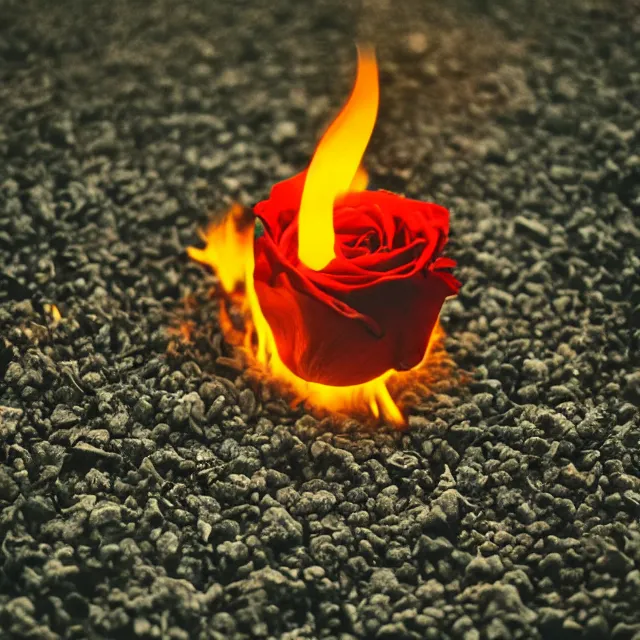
column 229, row 252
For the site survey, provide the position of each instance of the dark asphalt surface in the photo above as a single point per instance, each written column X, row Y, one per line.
column 150, row 490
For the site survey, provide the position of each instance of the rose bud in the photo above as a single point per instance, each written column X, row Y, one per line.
column 373, row 307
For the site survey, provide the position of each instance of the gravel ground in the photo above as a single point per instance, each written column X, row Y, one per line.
column 149, row 490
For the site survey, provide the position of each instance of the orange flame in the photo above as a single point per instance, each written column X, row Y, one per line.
column 334, row 168
column 228, row 254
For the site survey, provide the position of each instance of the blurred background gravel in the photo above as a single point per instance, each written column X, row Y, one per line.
column 149, row 490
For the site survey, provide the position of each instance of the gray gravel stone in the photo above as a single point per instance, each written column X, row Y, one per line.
column 532, row 228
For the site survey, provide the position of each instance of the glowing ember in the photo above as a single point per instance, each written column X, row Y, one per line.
column 341, row 287
column 54, row 312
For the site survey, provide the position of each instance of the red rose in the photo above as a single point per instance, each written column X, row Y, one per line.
column 374, row 306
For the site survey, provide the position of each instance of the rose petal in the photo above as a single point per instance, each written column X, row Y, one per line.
column 270, row 264
column 321, row 345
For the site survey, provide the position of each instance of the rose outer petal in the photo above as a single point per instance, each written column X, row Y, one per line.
column 319, row 344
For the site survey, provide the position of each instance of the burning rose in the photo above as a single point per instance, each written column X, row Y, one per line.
column 342, row 286
column 373, row 307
